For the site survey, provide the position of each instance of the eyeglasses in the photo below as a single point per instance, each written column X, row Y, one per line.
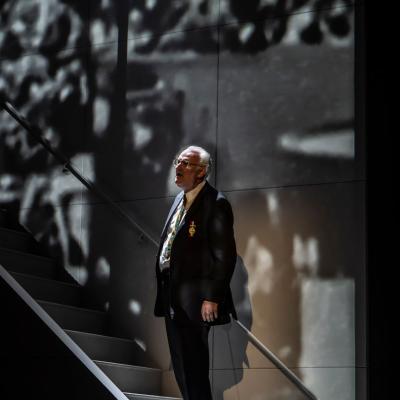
column 186, row 163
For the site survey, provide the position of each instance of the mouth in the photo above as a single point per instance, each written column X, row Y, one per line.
column 179, row 175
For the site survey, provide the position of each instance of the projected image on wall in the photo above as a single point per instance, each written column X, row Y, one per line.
column 267, row 87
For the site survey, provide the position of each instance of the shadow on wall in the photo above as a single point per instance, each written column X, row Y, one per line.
column 302, row 248
column 272, row 290
column 229, row 342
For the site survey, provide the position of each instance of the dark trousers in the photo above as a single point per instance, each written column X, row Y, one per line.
column 188, row 345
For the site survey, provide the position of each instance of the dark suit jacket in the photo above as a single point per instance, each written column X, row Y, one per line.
column 203, row 257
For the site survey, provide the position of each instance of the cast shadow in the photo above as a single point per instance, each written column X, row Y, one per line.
column 229, row 342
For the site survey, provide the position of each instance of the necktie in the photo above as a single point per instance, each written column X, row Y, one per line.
column 176, row 221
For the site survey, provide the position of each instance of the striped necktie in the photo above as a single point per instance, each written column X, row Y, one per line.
column 175, row 223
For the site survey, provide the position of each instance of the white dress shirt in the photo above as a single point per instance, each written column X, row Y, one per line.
column 187, row 200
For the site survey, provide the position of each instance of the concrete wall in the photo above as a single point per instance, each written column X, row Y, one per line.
column 269, row 88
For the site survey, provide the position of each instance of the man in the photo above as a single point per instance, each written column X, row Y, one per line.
column 195, row 263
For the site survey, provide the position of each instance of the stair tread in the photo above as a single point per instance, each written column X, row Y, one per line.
column 151, row 396
column 71, row 307
column 39, row 278
column 24, row 253
column 123, row 365
column 100, row 335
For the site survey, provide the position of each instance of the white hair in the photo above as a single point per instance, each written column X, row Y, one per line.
column 205, row 157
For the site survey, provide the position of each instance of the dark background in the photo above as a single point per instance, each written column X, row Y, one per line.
column 381, row 78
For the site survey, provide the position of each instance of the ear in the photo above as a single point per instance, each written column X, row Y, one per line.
column 202, row 173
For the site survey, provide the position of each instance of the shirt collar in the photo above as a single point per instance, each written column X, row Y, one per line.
column 192, row 194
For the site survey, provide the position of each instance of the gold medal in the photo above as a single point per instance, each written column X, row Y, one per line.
column 192, row 229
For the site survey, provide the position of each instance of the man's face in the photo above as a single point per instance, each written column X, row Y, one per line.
column 188, row 177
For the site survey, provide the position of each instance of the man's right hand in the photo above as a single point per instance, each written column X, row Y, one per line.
column 209, row 311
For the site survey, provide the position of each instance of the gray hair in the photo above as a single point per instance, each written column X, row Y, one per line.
column 205, row 158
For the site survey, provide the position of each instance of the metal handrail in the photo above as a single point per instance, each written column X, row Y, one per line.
column 277, row 362
column 37, row 134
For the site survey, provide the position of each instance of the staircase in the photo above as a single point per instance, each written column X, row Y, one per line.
column 61, row 298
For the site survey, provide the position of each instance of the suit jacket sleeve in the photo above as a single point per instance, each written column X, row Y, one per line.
column 222, row 250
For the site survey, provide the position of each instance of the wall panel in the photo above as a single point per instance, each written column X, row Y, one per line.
column 286, row 110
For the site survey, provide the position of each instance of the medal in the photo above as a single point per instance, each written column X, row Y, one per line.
column 192, row 229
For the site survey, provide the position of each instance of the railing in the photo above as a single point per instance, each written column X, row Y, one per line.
column 37, row 134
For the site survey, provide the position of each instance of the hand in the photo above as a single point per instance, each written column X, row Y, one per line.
column 209, row 311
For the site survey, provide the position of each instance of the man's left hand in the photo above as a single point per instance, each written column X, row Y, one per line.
column 209, row 311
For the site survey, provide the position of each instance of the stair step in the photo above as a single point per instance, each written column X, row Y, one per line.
column 76, row 318
column 17, row 240
column 107, row 348
column 17, row 261
column 132, row 378
column 139, row 396
column 49, row 289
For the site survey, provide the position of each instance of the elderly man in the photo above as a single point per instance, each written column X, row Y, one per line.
column 195, row 263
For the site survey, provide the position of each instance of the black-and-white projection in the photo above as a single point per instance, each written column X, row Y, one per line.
column 267, row 87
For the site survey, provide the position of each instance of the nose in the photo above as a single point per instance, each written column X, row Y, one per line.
column 179, row 167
